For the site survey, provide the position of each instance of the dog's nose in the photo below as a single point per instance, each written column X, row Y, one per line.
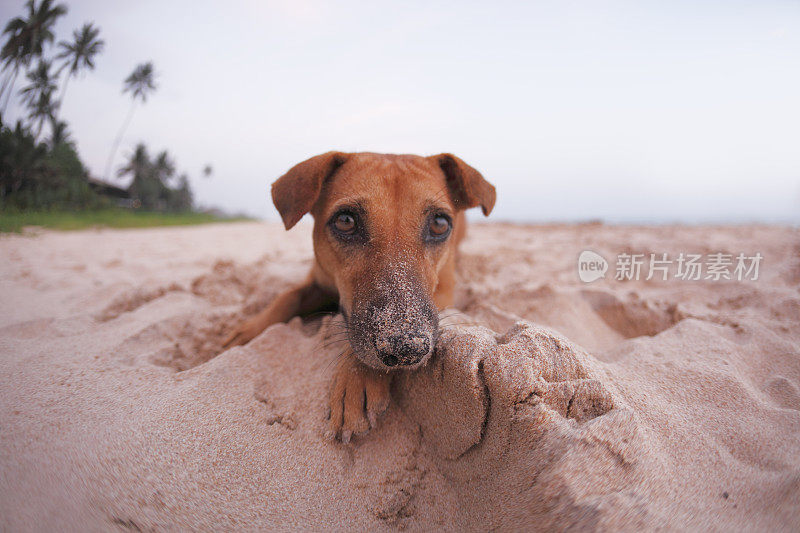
column 403, row 350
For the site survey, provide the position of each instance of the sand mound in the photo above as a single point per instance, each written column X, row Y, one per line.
column 639, row 406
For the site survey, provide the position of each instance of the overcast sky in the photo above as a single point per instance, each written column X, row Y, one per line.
column 623, row 111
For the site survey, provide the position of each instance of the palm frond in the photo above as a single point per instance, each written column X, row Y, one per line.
column 141, row 81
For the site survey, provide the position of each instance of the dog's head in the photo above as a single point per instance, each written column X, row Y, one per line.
column 384, row 228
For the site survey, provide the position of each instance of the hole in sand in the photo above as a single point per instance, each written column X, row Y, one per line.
column 231, row 294
column 133, row 300
column 634, row 317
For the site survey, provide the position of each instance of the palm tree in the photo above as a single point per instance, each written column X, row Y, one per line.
column 12, row 54
column 60, row 134
column 38, row 95
column 22, row 160
column 26, row 39
column 79, row 53
column 164, row 168
column 41, row 110
column 182, row 198
column 138, row 165
column 41, row 82
column 140, row 83
column 146, row 187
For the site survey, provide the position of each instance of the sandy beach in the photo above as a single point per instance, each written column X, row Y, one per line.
column 551, row 403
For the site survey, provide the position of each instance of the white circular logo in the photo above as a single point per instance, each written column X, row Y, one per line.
column 591, row 266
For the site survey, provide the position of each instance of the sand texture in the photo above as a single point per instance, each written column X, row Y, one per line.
column 551, row 404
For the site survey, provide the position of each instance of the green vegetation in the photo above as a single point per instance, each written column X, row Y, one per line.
column 14, row 221
column 37, row 175
column 42, row 179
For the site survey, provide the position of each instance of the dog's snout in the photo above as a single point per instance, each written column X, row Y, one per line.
column 402, row 350
column 394, row 323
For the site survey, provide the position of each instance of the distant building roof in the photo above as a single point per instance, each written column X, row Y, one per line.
column 108, row 189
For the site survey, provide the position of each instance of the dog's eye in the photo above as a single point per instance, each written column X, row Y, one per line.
column 439, row 227
column 347, row 226
column 345, row 223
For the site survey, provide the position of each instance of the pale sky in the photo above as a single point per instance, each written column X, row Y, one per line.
column 621, row 111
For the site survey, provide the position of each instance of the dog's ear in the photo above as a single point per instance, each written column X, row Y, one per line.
column 295, row 193
column 467, row 187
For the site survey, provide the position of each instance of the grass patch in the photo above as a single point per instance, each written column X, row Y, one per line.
column 14, row 221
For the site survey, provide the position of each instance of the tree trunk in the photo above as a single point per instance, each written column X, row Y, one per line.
column 63, row 92
column 115, row 146
column 10, row 88
column 6, row 82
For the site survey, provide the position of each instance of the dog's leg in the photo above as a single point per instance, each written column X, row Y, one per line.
column 301, row 300
column 359, row 395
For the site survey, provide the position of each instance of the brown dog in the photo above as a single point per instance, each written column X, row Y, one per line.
column 386, row 229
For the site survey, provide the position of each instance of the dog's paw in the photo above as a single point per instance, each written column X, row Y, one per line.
column 244, row 333
column 359, row 395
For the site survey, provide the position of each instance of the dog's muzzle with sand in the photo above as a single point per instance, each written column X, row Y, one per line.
column 386, row 232
column 395, row 324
